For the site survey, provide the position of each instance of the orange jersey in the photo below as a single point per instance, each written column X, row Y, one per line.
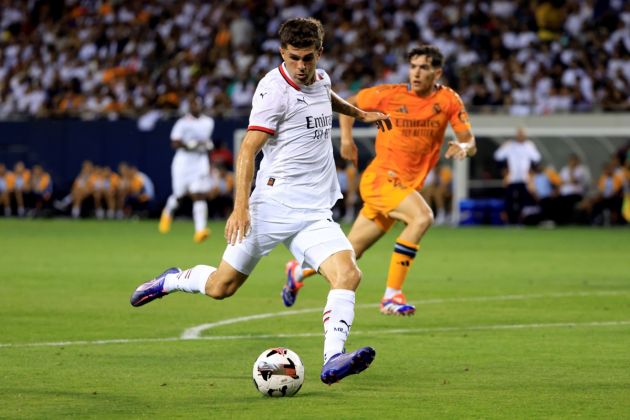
column 412, row 147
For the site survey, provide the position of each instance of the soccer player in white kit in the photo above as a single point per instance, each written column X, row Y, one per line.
column 296, row 187
column 190, row 169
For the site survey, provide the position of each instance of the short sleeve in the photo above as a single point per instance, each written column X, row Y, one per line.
column 268, row 107
column 459, row 119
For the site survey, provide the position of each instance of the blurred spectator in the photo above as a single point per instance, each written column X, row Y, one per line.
column 518, row 154
column 135, row 193
column 124, row 59
column 605, row 207
column 7, row 180
column 21, row 186
column 221, row 196
column 42, row 188
column 543, row 186
column 576, row 179
column 105, row 184
column 437, row 191
column 221, row 154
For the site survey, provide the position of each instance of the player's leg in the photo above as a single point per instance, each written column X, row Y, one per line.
column 200, row 217
column 323, row 246
column 418, row 217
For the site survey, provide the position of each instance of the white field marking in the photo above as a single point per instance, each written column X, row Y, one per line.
column 319, row 334
column 195, row 332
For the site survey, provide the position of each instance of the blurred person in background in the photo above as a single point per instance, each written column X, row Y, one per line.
column 42, row 189
column 438, row 191
column 221, row 196
column 576, row 179
column 7, row 180
column 604, row 208
column 191, row 137
column 518, row 155
column 105, row 187
column 136, row 192
column 420, row 111
column 21, row 186
column 543, row 186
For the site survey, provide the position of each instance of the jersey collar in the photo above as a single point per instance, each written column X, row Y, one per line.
column 287, row 78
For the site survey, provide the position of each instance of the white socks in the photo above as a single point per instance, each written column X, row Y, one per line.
column 192, row 280
column 200, row 214
column 171, row 205
column 338, row 317
column 389, row 292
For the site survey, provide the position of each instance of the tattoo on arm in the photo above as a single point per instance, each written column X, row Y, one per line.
column 343, row 107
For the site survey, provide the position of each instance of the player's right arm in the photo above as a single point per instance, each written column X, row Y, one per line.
column 238, row 223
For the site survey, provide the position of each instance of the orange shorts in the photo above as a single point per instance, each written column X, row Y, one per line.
column 381, row 193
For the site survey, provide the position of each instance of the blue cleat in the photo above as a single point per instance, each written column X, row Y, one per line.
column 292, row 286
column 343, row 364
column 152, row 289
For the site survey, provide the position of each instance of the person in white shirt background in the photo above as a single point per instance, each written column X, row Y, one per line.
column 575, row 180
column 296, row 187
column 519, row 154
column 191, row 137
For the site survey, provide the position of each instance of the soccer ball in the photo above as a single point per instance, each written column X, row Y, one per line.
column 278, row 372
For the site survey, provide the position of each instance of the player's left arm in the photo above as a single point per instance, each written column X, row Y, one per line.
column 465, row 146
column 344, row 107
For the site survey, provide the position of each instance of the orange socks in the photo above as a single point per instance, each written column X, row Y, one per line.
column 402, row 257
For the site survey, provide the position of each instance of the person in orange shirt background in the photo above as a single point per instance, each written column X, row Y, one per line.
column 390, row 185
column 42, row 188
column 21, row 187
column 105, row 187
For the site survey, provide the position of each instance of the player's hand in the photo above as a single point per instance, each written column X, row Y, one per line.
column 350, row 152
column 237, row 226
column 382, row 121
column 457, row 150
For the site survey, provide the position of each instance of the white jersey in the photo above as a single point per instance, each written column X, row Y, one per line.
column 190, row 169
column 193, row 131
column 519, row 156
column 298, row 167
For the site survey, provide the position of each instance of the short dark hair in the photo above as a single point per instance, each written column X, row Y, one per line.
column 302, row 33
column 434, row 54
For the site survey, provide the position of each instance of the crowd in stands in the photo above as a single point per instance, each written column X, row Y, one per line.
column 110, row 59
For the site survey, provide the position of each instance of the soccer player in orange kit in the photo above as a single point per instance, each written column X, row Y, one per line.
column 390, row 185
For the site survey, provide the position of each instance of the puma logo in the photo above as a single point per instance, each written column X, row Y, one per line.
column 302, row 100
column 262, row 94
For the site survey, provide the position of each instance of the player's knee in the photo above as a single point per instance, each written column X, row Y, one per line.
column 423, row 220
column 348, row 278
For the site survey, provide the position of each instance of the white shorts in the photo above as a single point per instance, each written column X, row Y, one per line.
column 192, row 179
column 310, row 236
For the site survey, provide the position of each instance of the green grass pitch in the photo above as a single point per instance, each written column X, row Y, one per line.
column 511, row 323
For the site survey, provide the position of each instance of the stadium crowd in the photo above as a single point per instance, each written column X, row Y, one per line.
column 110, row 59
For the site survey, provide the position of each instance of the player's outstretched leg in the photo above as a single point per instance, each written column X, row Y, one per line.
column 341, row 365
column 152, row 289
column 192, row 280
column 397, row 305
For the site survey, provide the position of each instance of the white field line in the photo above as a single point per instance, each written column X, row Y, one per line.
column 194, row 333
column 593, row 324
